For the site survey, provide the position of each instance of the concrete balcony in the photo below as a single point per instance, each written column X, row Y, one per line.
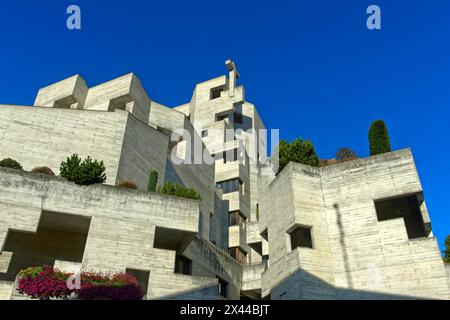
column 237, row 201
column 237, row 237
column 255, row 240
column 251, row 277
column 99, row 225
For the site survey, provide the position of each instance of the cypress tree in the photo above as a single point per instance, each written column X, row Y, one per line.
column 379, row 138
column 152, row 181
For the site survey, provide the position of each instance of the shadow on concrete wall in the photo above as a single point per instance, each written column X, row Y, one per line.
column 313, row 288
column 202, row 293
column 343, row 245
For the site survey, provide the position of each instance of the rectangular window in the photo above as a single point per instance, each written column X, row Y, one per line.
column 231, row 185
column 235, row 218
column 301, row 237
column 183, row 265
column 239, row 255
column 215, row 93
column 223, row 287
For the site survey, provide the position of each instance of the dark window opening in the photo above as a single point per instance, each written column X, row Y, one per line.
column 183, row 265
column 301, row 237
column 237, row 254
column 223, row 287
column 238, row 118
column 215, row 92
column 204, row 133
column 222, row 117
column 231, row 185
column 405, row 207
column 142, row 277
column 235, row 218
column 59, row 236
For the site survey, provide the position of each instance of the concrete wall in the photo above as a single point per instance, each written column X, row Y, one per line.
column 208, row 260
column 128, row 147
column 122, row 228
column 144, row 149
column 6, row 288
column 447, row 269
column 47, row 136
column 378, row 255
column 354, row 255
column 68, row 93
column 124, row 93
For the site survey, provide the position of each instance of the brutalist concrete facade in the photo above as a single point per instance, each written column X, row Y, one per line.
column 358, row 229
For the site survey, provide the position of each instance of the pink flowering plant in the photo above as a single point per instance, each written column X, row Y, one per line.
column 43, row 283
column 46, row 282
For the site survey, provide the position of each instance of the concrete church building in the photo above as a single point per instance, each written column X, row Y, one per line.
column 352, row 230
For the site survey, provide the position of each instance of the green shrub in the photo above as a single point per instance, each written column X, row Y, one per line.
column 379, row 138
column 10, row 163
column 178, row 190
column 152, row 181
column 298, row 151
column 43, row 170
column 447, row 250
column 84, row 173
column 127, row 184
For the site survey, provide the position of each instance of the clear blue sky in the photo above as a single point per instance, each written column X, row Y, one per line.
column 312, row 68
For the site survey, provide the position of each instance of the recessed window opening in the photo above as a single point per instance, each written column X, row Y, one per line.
column 215, row 93
column 238, row 254
column 231, row 185
column 221, row 117
column 183, row 265
column 406, row 207
column 235, row 218
column 238, row 118
column 301, row 237
column 222, row 287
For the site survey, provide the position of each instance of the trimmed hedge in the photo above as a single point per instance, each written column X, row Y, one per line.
column 178, row 190
column 10, row 163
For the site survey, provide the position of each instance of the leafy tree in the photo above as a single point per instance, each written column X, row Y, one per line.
column 10, row 163
column 152, row 181
column 379, row 141
column 178, row 190
column 345, row 154
column 301, row 151
column 83, row 173
column 447, row 250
